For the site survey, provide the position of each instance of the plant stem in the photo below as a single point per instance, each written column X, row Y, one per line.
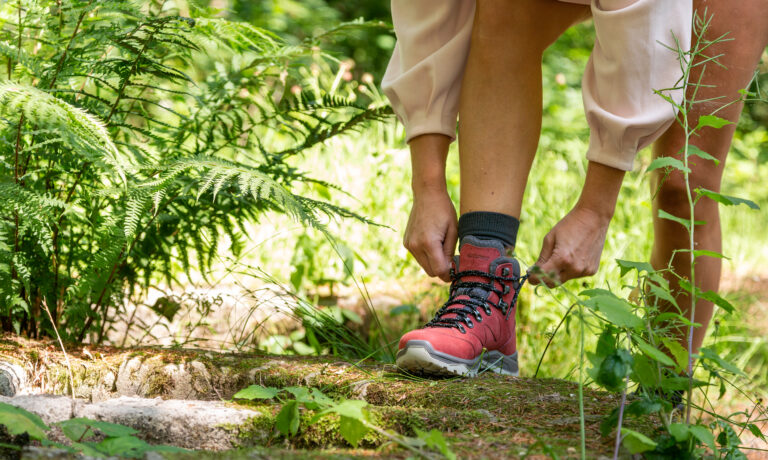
column 581, row 384
column 551, row 338
column 621, row 419
column 63, row 57
column 61, row 344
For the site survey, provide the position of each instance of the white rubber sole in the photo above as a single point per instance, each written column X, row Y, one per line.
column 418, row 357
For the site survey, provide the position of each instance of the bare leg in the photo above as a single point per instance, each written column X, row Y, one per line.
column 500, row 108
column 748, row 27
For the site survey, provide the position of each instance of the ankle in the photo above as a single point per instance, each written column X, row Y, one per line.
column 489, row 225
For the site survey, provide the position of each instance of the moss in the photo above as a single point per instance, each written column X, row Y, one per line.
column 256, row 431
column 489, row 416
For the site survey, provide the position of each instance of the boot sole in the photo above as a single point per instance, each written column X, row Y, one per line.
column 419, row 357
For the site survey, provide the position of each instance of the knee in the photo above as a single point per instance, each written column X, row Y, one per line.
column 671, row 193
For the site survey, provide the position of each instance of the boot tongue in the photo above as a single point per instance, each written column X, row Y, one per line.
column 477, row 254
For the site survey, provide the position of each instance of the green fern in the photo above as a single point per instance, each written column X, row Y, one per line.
column 130, row 139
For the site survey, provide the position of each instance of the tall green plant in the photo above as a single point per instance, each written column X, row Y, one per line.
column 133, row 140
column 665, row 368
column 636, row 346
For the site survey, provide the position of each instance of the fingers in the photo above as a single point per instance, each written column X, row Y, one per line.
column 547, row 247
column 438, row 260
column 559, row 263
column 449, row 248
column 562, row 267
column 431, row 257
column 538, row 274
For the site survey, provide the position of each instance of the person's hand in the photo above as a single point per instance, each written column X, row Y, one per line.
column 572, row 248
column 431, row 233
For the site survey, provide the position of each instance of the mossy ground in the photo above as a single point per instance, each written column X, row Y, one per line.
column 490, row 416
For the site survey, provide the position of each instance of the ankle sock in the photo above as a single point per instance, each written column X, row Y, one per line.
column 484, row 224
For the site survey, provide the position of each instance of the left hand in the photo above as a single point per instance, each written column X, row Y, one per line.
column 572, row 248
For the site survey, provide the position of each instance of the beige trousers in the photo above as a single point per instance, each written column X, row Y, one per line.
column 630, row 60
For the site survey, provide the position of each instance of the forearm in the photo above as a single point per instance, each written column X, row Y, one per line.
column 429, row 153
column 601, row 190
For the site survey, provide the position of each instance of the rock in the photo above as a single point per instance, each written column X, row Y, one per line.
column 209, row 425
column 13, row 379
column 50, row 408
column 206, row 425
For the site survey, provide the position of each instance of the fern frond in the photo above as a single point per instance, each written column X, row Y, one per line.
column 86, row 133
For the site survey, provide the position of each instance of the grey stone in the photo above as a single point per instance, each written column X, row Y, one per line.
column 189, row 424
column 13, row 379
column 50, row 408
column 209, row 425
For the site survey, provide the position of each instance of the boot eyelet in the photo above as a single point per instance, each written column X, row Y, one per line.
column 478, row 317
column 506, row 289
column 488, row 310
column 461, row 328
column 470, row 324
column 505, row 271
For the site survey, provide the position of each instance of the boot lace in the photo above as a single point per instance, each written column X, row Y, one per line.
column 468, row 307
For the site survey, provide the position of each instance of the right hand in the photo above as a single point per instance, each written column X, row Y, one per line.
column 432, row 232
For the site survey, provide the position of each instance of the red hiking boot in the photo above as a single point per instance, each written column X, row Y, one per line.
column 475, row 329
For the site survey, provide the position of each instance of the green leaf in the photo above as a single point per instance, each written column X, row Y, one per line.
column 662, row 293
column 626, row 266
column 668, row 162
column 595, row 292
column 693, row 150
column 614, row 369
column 125, row 446
column 352, row 430
column 708, row 253
column 718, row 300
column 755, row 430
column 644, row 372
column 711, row 355
column 256, row 392
column 18, row 420
column 287, row 421
column 665, row 215
column 680, row 383
column 434, row 440
column 606, row 343
column 679, row 431
column 653, row 352
column 712, row 296
column 352, row 408
column 636, row 442
column 678, row 352
column 301, row 394
column 303, row 349
column 321, row 398
column 615, row 310
column 76, row 427
column 726, row 199
column 704, row 435
column 88, row 448
column 667, row 317
column 712, row 121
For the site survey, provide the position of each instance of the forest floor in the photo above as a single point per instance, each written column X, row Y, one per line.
column 181, row 397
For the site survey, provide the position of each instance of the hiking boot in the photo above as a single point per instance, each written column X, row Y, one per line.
column 475, row 329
